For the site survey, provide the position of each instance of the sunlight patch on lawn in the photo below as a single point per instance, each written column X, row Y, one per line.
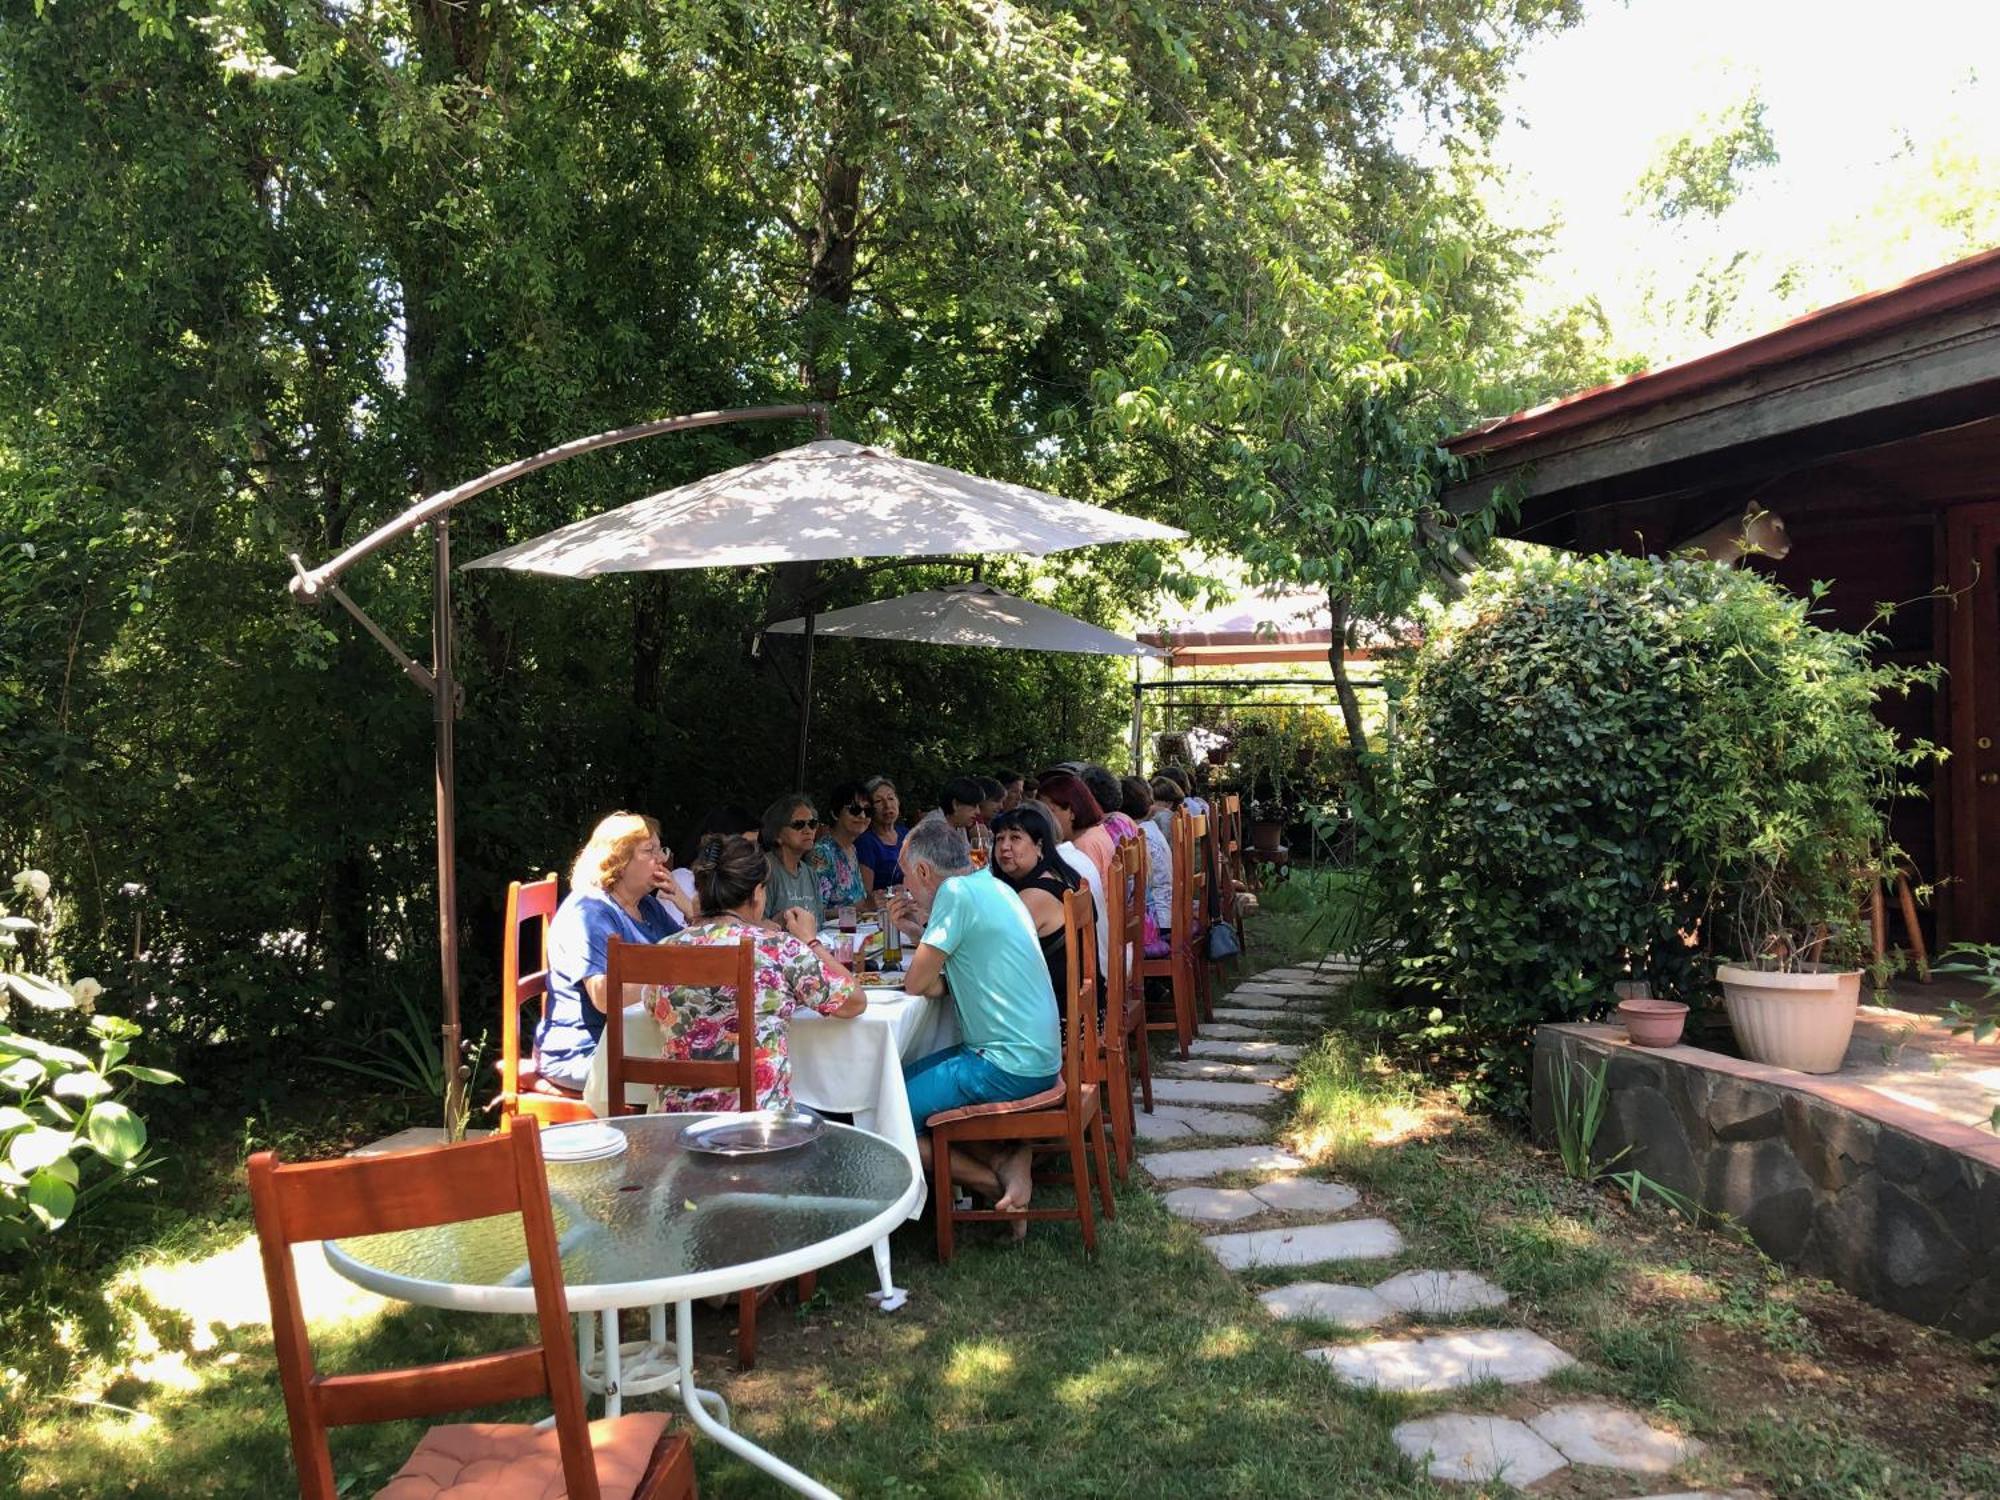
column 972, row 1366
column 1107, row 1379
column 1229, row 1342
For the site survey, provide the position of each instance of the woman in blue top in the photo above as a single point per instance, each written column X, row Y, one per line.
column 613, row 894
column 881, row 847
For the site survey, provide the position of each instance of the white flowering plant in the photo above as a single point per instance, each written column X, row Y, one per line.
column 66, row 1132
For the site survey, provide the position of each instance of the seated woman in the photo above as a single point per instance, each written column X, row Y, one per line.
column 1026, row 862
column 959, row 802
column 1159, row 866
column 611, row 895
column 730, row 822
column 790, row 827
column 1167, row 796
column 794, row 972
column 843, row 879
column 1110, row 795
column 1081, row 818
column 878, row 848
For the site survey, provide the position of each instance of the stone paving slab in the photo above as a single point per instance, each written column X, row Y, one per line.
column 1327, row 1302
column 1610, row 1437
column 1303, row 974
column 1224, row 1029
column 1213, row 1205
column 1258, row 1018
column 1223, row 1071
column 1446, row 1361
column 1307, row 1195
column 1473, row 1449
column 1703, row 1495
column 1440, row 1293
column 1243, row 1051
column 1242, row 998
column 1205, row 1091
column 1291, row 989
column 1180, row 1122
column 1306, row 1245
column 1213, row 1161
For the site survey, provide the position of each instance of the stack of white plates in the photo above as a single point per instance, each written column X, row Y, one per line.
column 587, row 1141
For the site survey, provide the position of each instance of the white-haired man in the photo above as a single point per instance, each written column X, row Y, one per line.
column 974, row 931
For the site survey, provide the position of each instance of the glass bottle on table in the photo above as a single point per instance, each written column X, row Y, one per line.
column 892, row 937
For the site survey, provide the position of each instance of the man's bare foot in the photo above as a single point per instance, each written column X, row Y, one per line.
column 1016, row 1171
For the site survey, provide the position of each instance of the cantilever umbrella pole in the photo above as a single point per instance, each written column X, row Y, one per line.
column 310, row 585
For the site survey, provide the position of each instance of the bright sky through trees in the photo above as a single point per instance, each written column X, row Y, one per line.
column 1886, row 121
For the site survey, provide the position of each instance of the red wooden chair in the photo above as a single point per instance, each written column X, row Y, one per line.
column 1124, row 1030
column 1177, row 968
column 523, row 1090
column 684, row 966
column 619, row 1458
column 1061, row 1116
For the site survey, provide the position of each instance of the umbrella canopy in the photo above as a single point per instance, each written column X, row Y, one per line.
column 970, row 614
column 826, row 500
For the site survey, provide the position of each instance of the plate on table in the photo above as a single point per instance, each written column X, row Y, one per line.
column 586, row 1140
column 885, row 994
column 755, row 1133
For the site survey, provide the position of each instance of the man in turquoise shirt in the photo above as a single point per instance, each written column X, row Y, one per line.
column 980, row 938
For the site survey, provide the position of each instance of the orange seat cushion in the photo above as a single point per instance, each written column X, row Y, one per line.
column 514, row 1461
column 1048, row 1098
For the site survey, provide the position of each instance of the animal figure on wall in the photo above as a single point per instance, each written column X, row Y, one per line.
column 1757, row 531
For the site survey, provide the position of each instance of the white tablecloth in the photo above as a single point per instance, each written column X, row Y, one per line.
column 853, row 1066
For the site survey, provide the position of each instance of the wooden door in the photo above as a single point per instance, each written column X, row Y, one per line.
column 1972, row 545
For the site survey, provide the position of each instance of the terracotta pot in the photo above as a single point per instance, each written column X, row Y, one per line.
column 1653, row 1023
column 1268, row 837
column 1801, row 1020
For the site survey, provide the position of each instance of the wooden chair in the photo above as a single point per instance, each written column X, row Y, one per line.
column 620, row 1458
column 1176, row 968
column 684, row 966
column 1237, row 903
column 1060, row 1116
column 1201, row 891
column 523, row 1090
column 1124, row 1030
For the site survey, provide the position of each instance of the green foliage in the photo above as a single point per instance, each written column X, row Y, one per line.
column 1701, row 171
column 66, row 1133
column 1978, row 1018
column 1604, row 755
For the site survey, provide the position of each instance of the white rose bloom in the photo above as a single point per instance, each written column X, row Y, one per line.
column 34, row 882
column 85, row 991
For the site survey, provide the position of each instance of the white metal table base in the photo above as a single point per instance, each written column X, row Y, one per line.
column 694, row 1399
column 634, row 1367
column 891, row 1296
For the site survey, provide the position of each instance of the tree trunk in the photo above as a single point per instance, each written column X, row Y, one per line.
column 1343, row 688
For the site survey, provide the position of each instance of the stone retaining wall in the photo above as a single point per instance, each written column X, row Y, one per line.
column 1834, row 1180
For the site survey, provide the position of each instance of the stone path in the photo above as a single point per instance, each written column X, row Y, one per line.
column 1237, row 1176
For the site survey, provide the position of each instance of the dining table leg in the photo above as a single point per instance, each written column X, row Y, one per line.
column 742, row 1447
column 891, row 1296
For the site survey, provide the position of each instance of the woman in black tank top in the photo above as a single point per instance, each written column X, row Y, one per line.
column 1025, row 859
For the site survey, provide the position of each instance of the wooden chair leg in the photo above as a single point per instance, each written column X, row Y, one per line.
column 1097, row 1123
column 1908, row 903
column 1079, row 1177
column 941, row 1194
column 746, row 1329
column 1145, row 1062
column 1878, row 920
column 1118, row 1084
column 807, row 1285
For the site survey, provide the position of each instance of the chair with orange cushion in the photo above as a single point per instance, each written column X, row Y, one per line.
column 684, row 966
column 619, row 1458
column 523, row 1090
column 1176, row 966
column 1059, row 1118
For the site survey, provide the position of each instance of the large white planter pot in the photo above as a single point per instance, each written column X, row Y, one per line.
column 1798, row 1021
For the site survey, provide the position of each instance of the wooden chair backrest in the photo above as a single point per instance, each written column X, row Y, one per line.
column 527, row 901
column 1190, row 879
column 1079, row 1064
column 330, row 1200
column 680, row 966
column 1125, row 895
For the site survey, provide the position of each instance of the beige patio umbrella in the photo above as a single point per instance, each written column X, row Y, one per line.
column 969, row 614
column 825, row 500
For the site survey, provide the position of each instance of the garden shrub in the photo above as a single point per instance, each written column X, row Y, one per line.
column 1599, row 756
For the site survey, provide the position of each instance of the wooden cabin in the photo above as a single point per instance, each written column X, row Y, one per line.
column 1872, row 428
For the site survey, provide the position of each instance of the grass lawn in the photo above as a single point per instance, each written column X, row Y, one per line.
column 1029, row 1371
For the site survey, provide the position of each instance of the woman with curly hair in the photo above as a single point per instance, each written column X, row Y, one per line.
column 794, row 971
column 614, row 893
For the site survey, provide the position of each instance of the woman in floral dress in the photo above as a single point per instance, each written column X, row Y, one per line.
column 843, row 879
column 794, row 972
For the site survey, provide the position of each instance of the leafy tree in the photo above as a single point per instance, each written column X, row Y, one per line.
column 1701, row 171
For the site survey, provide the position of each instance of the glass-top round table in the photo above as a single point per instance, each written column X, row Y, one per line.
column 655, row 1224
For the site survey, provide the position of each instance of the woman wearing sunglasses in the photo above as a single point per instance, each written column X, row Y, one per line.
column 790, row 827
column 843, row 879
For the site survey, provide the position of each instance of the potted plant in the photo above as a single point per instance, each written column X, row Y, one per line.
column 1793, row 771
column 1267, row 826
